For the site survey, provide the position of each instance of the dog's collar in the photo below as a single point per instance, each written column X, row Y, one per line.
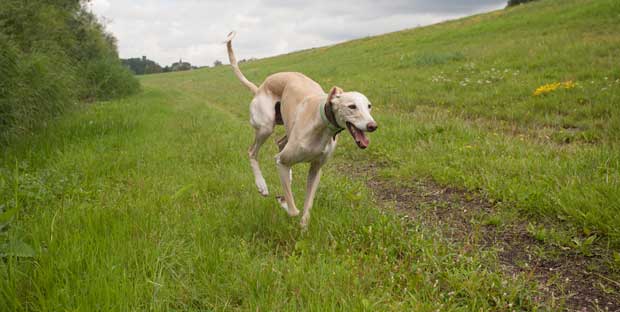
column 327, row 115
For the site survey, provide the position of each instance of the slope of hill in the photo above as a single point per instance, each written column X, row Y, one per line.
column 149, row 203
column 457, row 104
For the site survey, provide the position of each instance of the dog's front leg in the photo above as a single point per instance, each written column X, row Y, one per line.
column 314, row 176
column 285, row 178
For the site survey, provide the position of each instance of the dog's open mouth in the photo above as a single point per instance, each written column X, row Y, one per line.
column 358, row 135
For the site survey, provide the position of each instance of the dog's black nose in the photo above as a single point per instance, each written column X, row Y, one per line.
column 371, row 126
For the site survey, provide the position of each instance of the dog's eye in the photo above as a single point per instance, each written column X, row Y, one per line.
column 352, row 106
column 369, row 106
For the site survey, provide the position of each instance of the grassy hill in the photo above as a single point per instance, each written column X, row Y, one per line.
column 456, row 104
column 149, row 202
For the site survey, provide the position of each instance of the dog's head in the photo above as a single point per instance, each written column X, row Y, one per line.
column 352, row 110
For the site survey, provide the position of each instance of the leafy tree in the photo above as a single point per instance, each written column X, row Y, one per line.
column 217, row 63
column 180, row 66
column 142, row 66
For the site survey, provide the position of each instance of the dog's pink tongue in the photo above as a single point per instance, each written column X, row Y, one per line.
column 361, row 139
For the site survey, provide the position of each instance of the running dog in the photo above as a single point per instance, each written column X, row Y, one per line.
column 312, row 119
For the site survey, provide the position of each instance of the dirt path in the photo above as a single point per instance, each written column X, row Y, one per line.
column 582, row 282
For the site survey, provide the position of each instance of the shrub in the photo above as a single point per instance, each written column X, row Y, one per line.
column 517, row 2
column 53, row 54
column 33, row 88
column 108, row 79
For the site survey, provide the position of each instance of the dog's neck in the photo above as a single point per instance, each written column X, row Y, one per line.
column 329, row 118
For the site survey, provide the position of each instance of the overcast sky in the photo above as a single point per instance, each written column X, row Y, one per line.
column 166, row 30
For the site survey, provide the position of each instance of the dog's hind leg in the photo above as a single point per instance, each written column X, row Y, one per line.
column 263, row 122
column 281, row 143
column 261, row 136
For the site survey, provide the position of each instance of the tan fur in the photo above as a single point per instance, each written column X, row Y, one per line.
column 308, row 138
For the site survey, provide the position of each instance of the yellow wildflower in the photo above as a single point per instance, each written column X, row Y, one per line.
column 548, row 88
column 568, row 84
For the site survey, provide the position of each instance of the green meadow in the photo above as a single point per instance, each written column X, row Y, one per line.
column 149, row 203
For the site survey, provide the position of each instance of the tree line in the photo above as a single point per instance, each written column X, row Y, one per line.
column 144, row 66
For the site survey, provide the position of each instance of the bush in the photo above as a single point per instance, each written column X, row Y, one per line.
column 517, row 2
column 108, row 79
column 33, row 88
column 54, row 54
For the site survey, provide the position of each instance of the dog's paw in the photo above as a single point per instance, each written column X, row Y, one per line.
column 284, row 206
column 304, row 222
column 262, row 187
column 282, row 202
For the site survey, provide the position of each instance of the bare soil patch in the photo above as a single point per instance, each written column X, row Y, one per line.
column 583, row 282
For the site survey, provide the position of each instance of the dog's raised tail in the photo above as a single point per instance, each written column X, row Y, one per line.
column 235, row 66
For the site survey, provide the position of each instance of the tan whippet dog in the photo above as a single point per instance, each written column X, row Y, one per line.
column 312, row 120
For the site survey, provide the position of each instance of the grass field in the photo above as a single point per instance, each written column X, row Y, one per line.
column 148, row 203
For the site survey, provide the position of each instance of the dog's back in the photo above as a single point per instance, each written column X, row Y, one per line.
column 278, row 83
column 290, row 89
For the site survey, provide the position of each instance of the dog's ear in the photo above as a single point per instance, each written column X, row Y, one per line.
column 334, row 93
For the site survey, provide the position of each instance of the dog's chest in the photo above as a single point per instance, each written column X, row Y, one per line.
column 317, row 149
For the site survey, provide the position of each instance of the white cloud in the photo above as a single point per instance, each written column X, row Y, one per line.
column 166, row 30
column 100, row 6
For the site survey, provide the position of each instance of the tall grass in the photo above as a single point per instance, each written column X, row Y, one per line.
column 53, row 54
